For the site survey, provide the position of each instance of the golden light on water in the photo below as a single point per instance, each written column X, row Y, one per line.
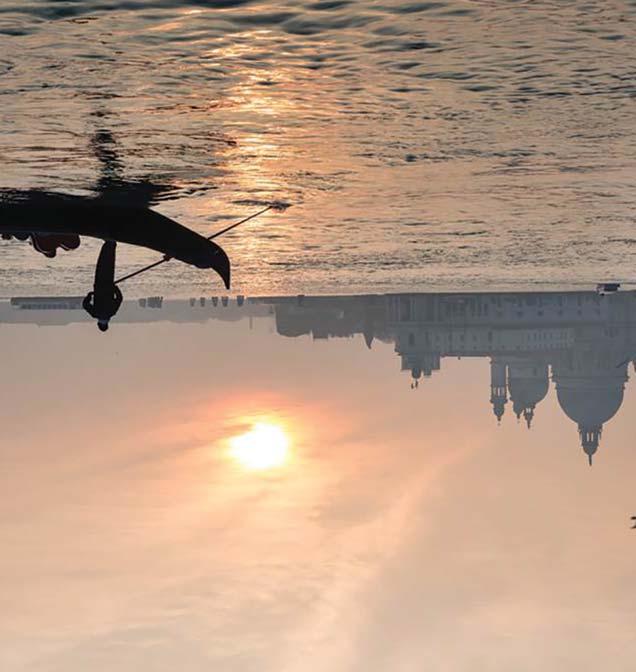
column 265, row 446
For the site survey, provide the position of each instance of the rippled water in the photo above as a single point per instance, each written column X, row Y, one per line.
column 420, row 143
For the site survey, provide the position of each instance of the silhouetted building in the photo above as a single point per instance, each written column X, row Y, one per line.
column 581, row 341
column 528, row 384
column 580, row 336
column 498, row 387
column 152, row 302
column 590, row 387
column 48, row 302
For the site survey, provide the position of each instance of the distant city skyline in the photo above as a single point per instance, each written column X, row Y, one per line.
column 581, row 342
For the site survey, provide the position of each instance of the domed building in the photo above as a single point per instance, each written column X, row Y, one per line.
column 420, row 365
column 528, row 384
column 416, row 352
column 590, row 390
column 525, row 379
column 498, row 387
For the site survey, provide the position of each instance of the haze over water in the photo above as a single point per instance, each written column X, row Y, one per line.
column 422, row 144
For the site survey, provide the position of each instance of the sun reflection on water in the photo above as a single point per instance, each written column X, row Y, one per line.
column 264, row 446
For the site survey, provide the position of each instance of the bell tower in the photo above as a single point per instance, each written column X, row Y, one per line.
column 498, row 387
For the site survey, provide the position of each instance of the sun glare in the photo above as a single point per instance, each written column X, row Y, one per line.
column 265, row 446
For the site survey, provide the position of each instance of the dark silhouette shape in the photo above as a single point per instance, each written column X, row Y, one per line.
column 272, row 206
column 105, row 299
column 634, row 521
column 563, row 342
column 120, row 211
column 36, row 212
column 47, row 244
column 607, row 287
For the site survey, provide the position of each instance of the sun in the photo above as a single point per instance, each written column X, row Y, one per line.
column 265, row 446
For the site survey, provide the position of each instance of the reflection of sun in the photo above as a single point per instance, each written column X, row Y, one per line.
column 265, row 446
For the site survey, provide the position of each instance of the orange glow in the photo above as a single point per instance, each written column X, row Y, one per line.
column 264, row 446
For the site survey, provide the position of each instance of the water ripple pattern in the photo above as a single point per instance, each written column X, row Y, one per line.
column 423, row 144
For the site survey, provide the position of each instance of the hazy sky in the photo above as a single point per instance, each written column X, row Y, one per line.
column 403, row 530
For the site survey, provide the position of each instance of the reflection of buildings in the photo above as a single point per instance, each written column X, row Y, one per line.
column 580, row 341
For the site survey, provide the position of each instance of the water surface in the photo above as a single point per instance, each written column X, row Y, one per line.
column 445, row 144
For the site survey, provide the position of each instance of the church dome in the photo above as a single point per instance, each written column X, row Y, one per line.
column 527, row 392
column 527, row 388
column 590, row 406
